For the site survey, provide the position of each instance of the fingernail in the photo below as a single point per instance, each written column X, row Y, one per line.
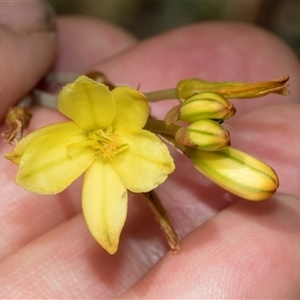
column 27, row 16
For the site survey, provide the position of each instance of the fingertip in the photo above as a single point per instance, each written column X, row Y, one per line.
column 84, row 42
column 248, row 251
column 28, row 43
column 209, row 50
column 26, row 16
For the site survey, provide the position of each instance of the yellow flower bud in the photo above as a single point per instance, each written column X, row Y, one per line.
column 237, row 172
column 204, row 134
column 206, row 105
column 188, row 87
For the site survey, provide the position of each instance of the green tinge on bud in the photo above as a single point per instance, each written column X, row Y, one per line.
column 204, row 134
column 188, row 87
column 206, row 105
column 237, row 172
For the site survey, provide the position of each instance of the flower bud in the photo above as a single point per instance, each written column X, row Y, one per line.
column 205, row 105
column 237, row 172
column 204, row 134
column 188, row 87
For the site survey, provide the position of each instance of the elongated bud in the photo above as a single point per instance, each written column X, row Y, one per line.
column 204, row 134
column 188, row 87
column 237, row 172
column 206, row 105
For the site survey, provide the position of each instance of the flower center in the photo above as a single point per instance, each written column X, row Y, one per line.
column 105, row 142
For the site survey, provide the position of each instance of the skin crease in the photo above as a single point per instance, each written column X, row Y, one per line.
column 230, row 248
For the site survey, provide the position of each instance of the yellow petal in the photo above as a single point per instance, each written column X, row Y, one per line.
column 104, row 204
column 88, row 103
column 132, row 109
column 146, row 163
column 16, row 155
column 237, row 172
column 47, row 166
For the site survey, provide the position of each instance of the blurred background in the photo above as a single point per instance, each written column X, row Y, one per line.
column 147, row 17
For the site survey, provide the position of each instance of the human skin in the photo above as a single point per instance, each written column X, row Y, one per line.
column 230, row 248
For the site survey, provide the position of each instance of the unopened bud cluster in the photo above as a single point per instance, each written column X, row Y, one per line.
column 204, row 114
column 204, row 106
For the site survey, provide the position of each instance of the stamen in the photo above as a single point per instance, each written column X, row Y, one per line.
column 105, row 142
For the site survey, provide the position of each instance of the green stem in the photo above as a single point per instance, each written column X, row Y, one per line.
column 167, row 132
column 45, row 99
column 160, row 127
column 161, row 95
column 62, row 78
column 179, row 147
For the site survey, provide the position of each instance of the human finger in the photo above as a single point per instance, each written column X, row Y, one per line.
column 27, row 47
column 84, row 42
column 211, row 51
column 103, row 39
column 237, row 254
column 66, row 262
column 189, row 199
column 202, row 204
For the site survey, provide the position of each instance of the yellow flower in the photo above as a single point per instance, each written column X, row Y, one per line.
column 105, row 139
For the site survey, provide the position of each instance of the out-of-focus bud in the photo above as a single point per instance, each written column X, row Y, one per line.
column 189, row 87
column 237, row 172
column 206, row 105
column 204, row 134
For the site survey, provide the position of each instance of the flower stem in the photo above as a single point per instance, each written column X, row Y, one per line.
column 167, row 132
column 161, row 95
column 163, row 219
column 160, row 127
column 45, row 99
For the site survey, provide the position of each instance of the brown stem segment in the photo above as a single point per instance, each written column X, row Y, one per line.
column 163, row 219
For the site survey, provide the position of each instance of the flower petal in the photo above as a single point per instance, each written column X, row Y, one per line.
column 47, row 166
column 237, row 172
column 104, row 204
column 146, row 163
column 88, row 103
column 17, row 153
column 132, row 109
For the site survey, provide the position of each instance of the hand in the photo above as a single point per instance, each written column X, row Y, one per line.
column 230, row 248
